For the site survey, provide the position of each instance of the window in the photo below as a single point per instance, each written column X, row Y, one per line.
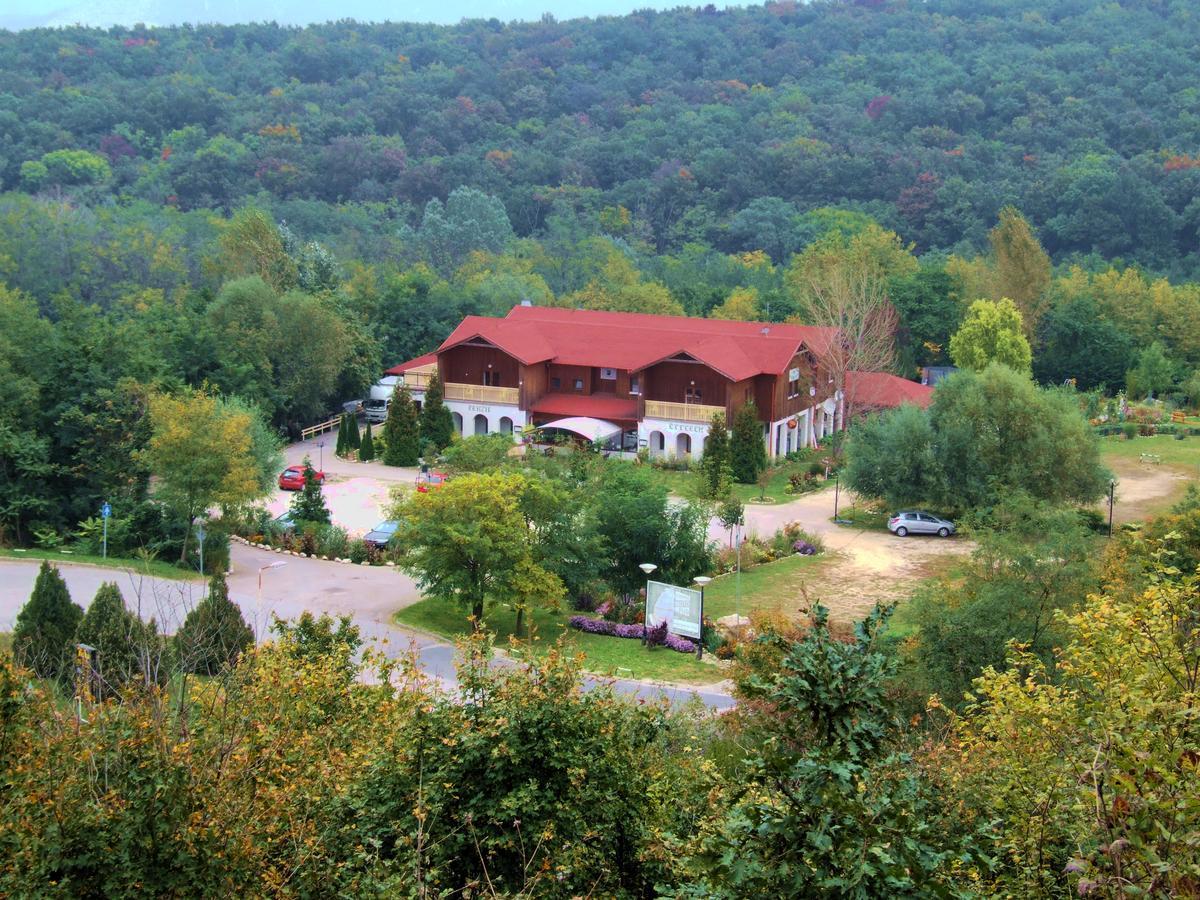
column 608, row 374
column 491, row 379
column 635, row 384
column 556, row 384
column 579, row 384
column 692, row 395
column 793, row 383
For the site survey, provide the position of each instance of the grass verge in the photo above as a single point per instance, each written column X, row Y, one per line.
column 154, row 567
column 773, row 587
column 1172, row 452
column 687, row 484
column 622, row 657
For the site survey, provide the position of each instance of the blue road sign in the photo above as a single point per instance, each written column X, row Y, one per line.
column 106, row 510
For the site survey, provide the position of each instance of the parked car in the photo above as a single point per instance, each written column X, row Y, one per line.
column 381, row 534
column 915, row 521
column 428, row 481
column 292, row 478
column 284, row 522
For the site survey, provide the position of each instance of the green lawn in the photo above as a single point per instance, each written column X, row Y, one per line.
column 1172, row 452
column 622, row 657
column 773, row 587
column 686, row 484
column 154, row 567
column 858, row 517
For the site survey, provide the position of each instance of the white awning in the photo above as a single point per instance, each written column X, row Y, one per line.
column 592, row 429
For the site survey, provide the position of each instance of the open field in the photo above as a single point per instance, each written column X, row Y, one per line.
column 622, row 657
column 1145, row 488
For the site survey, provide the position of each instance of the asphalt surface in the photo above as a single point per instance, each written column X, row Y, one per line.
column 369, row 595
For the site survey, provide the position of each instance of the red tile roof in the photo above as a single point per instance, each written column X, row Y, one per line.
column 634, row 341
column 879, row 390
column 596, row 406
column 427, row 359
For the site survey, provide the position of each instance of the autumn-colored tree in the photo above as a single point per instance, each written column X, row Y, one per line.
column 202, row 452
column 841, row 283
column 252, row 245
column 992, row 332
column 741, row 306
column 1022, row 268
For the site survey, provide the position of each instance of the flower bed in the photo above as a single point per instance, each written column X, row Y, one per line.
column 615, row 629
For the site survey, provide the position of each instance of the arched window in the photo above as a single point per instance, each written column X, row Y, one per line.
column 481, row 425
column 657, row 443
column 683, row 446
column 506, row 425
column 458, row 423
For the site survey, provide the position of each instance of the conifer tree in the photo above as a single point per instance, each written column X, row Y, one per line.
column 115, row 633
column 747, row 451
column 400, row 432
column 437, row 424
column 716, row 455
column 44, row 633
column 366, row 451
column 308, row 505
column 214, row 634
column 352, row 430
column 340, row 449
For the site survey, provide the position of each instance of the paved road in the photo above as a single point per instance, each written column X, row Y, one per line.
column 369, row 595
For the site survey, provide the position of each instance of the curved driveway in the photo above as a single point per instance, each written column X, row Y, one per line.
column 369, row 595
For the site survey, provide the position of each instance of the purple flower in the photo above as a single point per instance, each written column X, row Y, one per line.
column 589, row 625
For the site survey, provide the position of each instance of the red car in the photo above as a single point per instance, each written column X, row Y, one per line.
column 292, row 478
column 428, row 481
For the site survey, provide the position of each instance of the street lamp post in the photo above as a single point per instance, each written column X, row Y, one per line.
column 648, row 570
column 837, row 490
column 321, row 447
column 701, row 580
column 258, row 596
column 199, row 523
column 1112, row 490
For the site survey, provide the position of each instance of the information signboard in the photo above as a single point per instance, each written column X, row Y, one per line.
column 679, row 606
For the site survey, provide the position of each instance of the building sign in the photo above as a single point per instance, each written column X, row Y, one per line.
column 608, row 374
column 678, row 606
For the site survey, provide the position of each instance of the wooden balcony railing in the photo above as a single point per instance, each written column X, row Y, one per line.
column 681, row 412
column 418, row 379
column 481, row 393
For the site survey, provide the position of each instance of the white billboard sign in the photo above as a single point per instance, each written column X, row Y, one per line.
column 678, row 606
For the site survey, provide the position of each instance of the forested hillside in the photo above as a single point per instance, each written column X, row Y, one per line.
column 709, row 127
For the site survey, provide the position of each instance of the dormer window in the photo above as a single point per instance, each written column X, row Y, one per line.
column 608, row 374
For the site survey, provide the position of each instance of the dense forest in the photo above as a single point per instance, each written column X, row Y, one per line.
column 709, row 127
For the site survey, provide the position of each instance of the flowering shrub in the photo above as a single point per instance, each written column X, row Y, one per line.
column 616, row 629
column 804, row 548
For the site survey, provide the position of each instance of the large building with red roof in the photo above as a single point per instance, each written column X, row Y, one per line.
column 631, row 380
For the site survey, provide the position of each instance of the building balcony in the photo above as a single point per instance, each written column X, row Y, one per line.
column 418, row 379
column 682, row 412
column 481, row 393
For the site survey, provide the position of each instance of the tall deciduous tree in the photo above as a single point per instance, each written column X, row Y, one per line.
column 436, row 423
column 402, row 445
column 1022, row 268
column 747, row 448
column 1153, row 374
column 202, row 451
column 987, row 434
column 841, row 283
column 44, row 632
column 992, row 332
column 467, row 542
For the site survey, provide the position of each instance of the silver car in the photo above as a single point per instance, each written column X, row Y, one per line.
column 912, row 521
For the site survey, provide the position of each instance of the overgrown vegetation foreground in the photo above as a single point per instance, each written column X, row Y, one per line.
column 305, row 769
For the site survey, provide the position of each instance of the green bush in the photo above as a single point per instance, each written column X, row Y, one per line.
column 1130, row 430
